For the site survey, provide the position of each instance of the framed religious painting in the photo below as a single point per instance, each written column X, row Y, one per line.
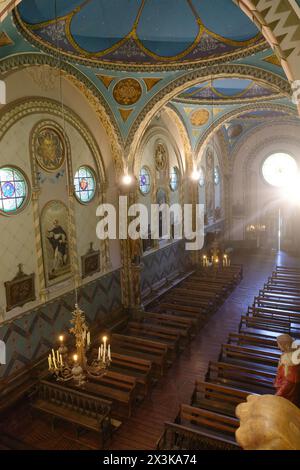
column 49, row 148
column 90, row 262
column 20, row 290
column 55, row 242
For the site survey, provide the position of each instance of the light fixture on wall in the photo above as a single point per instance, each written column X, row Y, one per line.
column 127, row 179
column 195, row 175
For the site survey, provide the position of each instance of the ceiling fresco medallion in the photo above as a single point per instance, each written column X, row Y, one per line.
column 160, row 156
column 127, row 91
column 199, row 117
column 234, row 131
column 49, row 149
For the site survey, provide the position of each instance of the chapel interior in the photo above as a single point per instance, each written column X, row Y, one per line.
column 116, row 343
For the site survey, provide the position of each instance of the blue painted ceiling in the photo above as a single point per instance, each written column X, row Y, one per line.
column 227, row 90
column 140, row 32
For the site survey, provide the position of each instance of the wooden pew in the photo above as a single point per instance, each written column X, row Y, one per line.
column 216, row 397
column 152, row 351
column 267, row 325
column 181, row 324
column 117, row 387
column 248, row 379
column 73, row 406
column 264, row 312
column 282, row 290
column 259, row 340
column 189, row 311
column 209, row 423
column 282, row 304
column 189, row 302
column 258, row 358
column 158, row 333
column 136, row 367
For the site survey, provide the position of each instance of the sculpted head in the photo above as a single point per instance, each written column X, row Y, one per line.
column 285, row 342
column 268, row 422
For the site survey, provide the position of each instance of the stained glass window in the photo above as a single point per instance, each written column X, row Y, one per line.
column 13, row 191
column 217, row 175
column 201, row 177
column 279, row 169
column 174, row 178
column 85, row 184
column 145, row 180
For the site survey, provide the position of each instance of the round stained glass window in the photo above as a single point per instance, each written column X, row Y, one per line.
column 85, row 184
column 13, row 190
column 174, row 178
column 217, row 175
column 145, row 180
column 279, row 169
column 201, row 177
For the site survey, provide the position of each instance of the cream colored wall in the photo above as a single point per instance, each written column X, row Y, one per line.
column 17, row 242
column 248, row 185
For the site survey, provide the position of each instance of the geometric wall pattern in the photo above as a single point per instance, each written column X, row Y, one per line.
column 163, row 263
column 33, row 334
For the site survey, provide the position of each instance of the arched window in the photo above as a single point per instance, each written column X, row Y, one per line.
column 145, row 180
column 279, row 169
column 174, row 178
column 14, row 190
column 85, row 184
column 216, row 175
column 201, row 176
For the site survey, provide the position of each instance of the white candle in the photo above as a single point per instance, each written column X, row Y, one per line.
column 88, row 338
column 99, row 353
column 57, row 356
column 109, row 355
column 54, row 362
column 104, row 347
column 61, row 361
column 49, row 362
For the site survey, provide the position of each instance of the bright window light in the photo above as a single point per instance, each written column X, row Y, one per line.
column 279, row 169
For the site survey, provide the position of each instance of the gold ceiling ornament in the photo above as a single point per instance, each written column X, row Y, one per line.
column 44, row 76
column 160, row 156
column 127, row 91
column 105, row 79
column 125, row 113
column 273, row 59
column 5, row 40
column 151, row 82
column 199, row 117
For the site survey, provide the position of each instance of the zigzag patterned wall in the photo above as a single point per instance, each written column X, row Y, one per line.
column 30, row 336
column 162, row 264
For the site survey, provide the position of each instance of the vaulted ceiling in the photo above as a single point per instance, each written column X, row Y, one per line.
column 141, row 32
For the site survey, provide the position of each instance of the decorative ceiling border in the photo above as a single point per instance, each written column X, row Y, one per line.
column 49, row 49
column 12, row 63
column 237, row 112
column 178, row 85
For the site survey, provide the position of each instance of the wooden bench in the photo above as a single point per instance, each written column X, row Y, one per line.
column 264, row 312
column 184, row 325
column 258, row 358
column 259, row 340
column 283, row 304
column 268, row 325
column 75, row 407
column 244, row 378
column 158, row 333
column 210, row 424
column 152, row 351
column 117, row 387
column 136, row 367
column 216, row 397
